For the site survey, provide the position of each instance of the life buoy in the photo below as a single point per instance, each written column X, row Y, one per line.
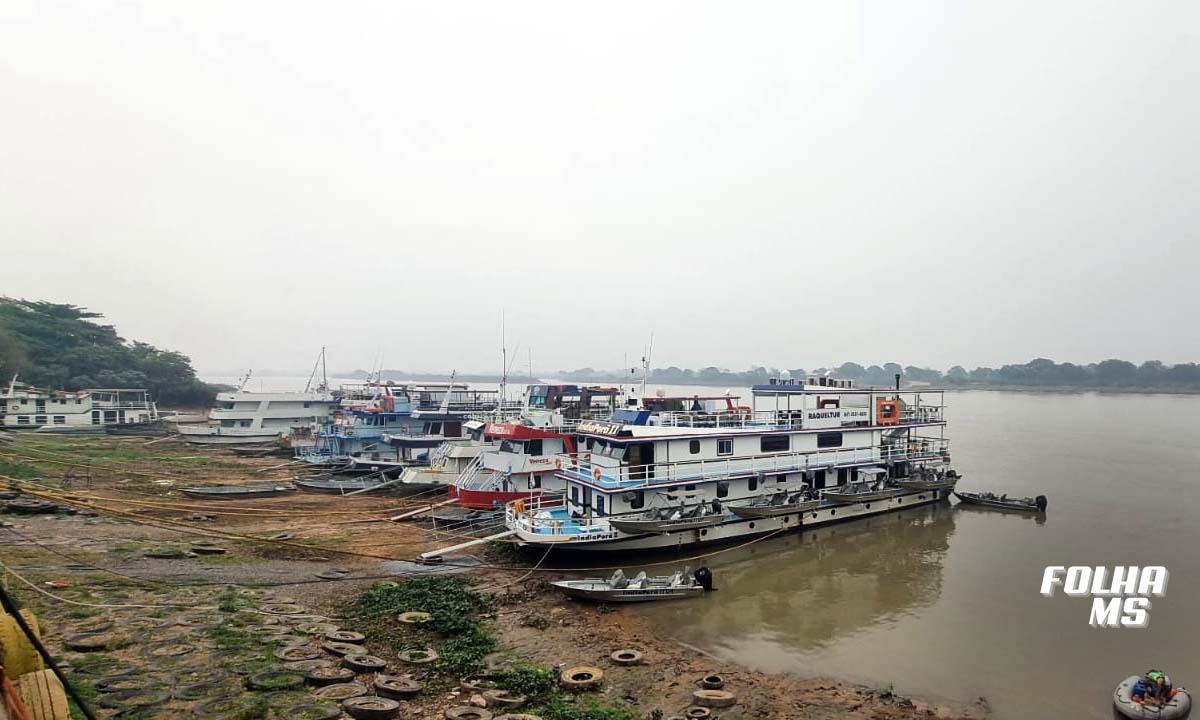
column 596, row 474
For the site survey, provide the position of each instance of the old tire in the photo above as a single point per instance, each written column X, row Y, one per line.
column 697, row 713
column 92, row 642
column 43, row 695
column 317, row 628
column 626, row 657
column 712, row 682
column 341, row 649
column 477, row 683
column 341, row 691
column 283, row 609
column 313, row 711
column 517, row 716
column 396, row 688
column 714, row 698
column 414, row 618
column 279, row 679
column 295, row 653
column 418, row 657
column 467, row 712
column 345, row 636
column 582, row 677
column 371, row 708
column 322, row 676
column 364, row 663
column 503, row 699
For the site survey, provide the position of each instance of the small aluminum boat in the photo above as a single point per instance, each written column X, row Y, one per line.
column 342, row 486
column 927, row 480
column 1003, row 502
column 238, row 492
column 858, row 492
column 641, row 588
column 780, row 503
column 670, row 519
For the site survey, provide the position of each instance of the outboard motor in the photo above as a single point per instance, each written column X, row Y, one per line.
column 1040, row 502
column 704, row 578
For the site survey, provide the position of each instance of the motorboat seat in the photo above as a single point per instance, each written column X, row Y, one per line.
column 638, row 582
column 618, row 580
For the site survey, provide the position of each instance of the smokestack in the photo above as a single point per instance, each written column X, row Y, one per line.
column 897, row 382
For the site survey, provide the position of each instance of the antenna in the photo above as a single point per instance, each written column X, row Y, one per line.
column 324, row 372
column 503, row 362
column 313, row 374
column 530, row 349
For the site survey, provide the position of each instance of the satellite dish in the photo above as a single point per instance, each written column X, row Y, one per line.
column 660, row 392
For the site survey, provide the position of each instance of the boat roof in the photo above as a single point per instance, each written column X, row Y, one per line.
column 514, row 431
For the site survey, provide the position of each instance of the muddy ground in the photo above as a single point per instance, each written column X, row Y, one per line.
column 319, row 553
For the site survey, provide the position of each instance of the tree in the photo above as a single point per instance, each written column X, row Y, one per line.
column 59, row 346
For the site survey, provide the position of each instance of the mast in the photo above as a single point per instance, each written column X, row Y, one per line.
column 646, row 364
column 503, row 365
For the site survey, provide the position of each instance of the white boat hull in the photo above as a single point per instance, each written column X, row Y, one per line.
column 734, row 530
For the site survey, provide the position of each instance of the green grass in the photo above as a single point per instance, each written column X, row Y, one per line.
column 18, row 469
column 547, row 700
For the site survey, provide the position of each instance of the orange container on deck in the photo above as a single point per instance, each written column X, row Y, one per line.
column 887, row 412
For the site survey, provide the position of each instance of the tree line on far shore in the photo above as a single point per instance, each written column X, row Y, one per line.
column 60, row 347
column 1039, row 372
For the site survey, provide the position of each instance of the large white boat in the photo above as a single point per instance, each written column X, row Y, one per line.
column 646, row 481
column 245, row 418
column 95, row 409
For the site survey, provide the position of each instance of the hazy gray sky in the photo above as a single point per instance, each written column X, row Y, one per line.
column 775, row 183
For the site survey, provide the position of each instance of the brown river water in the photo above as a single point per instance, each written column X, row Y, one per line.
column 944, row 601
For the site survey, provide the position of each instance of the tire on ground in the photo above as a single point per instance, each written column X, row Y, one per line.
column 714, row 698
column 582, row 677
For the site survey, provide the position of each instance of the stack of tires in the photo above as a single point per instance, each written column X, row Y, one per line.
column 37, row 692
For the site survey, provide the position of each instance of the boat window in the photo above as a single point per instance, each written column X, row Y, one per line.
column 694, row 447
column 60, row 419
column 534, row 447
column 722, row 489
column 689, row 487
column 776, row 443
column 506, row 446
column 574, row 494
column 637, row 500
column 22, row 419
column 828, row 440
column 599, row 504
column 725, row 447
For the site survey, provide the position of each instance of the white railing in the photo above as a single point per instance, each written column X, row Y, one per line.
column 603, row 471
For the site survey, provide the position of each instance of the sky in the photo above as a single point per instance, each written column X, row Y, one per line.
column 789, row 184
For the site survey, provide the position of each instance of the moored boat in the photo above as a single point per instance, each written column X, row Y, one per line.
column 1003, row 502
column 671, row 519
column 845, row 443
column 926, row 479
column 345, row 486
column 782, row 502
column 641, row 588
column 238, row 492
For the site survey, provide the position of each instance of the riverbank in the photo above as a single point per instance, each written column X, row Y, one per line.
column 215, row 576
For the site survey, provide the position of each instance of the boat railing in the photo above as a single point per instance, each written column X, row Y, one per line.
column 540, row 515
column 602, row 471
column 778, row 419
